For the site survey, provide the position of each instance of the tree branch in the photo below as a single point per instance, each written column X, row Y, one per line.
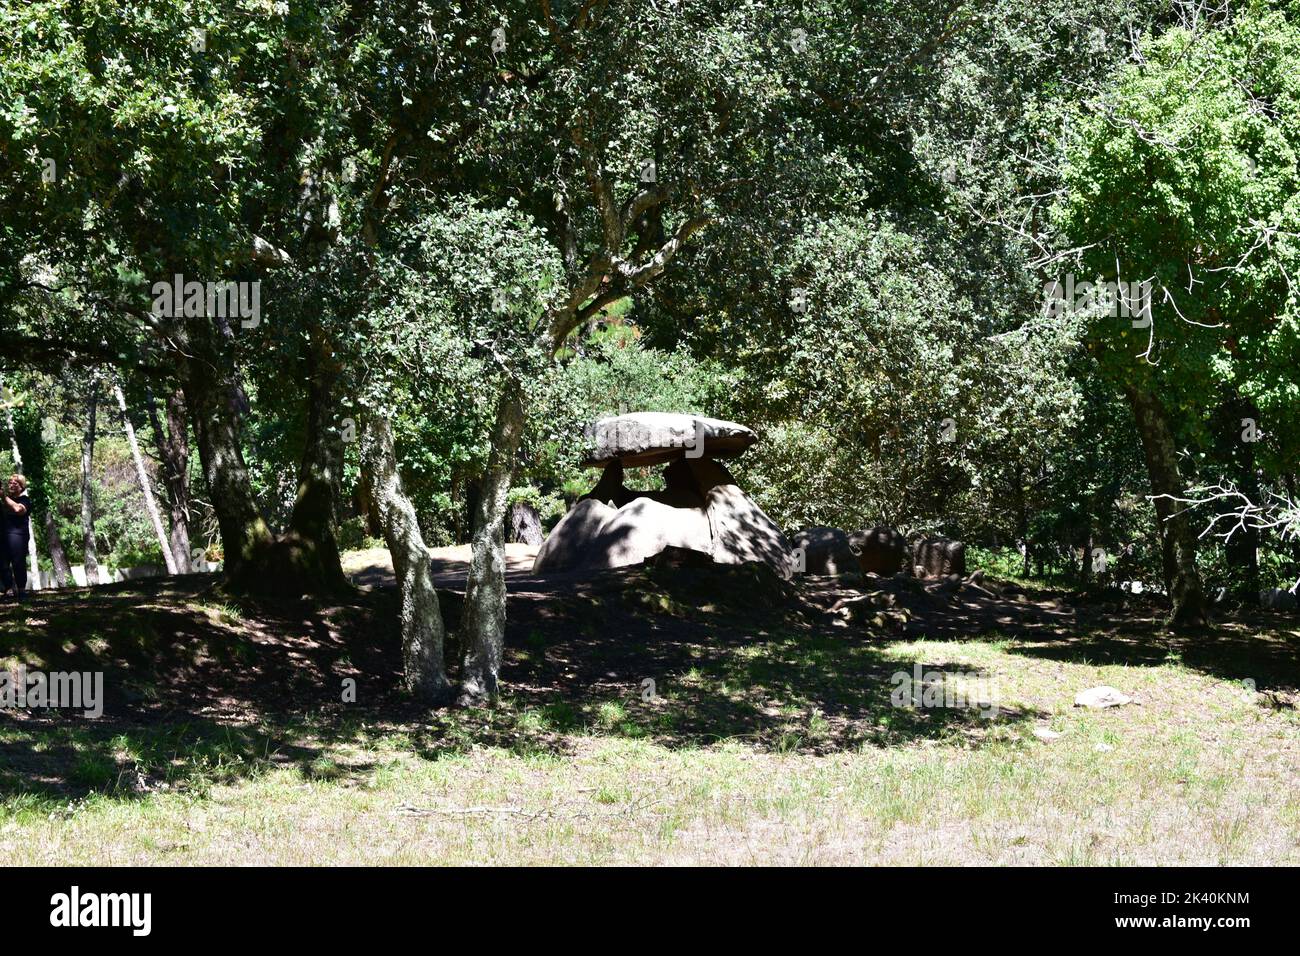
column 636, row 275
column 609, row 217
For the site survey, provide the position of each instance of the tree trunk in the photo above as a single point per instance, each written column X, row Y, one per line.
column 485, row 595
column 33, row 560
column 423, row 667
column 1022, row 522
column 1085, row 567
column 1241, row 554
column 1178, row 543
column 89, row 559
column 364, row 502
column 1241, row 551
column 151, row 506
column 174, row 455
column 58, row 557
column 246, row 540
column 255, row 559
column 312, row 542
column 525, row 524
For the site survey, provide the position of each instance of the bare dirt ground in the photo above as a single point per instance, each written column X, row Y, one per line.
column 374, row 566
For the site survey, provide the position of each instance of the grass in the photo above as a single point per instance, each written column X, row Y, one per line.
column 1199, row 771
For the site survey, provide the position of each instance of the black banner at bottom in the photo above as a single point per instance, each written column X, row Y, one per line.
column 333, row 906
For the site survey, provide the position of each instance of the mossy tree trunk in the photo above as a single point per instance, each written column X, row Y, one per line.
column 420, row 618
column 485, row 595
column 312, row 540
column 246, row 540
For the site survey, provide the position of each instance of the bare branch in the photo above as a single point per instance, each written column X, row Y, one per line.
column 1277, row 513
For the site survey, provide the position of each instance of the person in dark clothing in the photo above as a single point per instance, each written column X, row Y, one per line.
column 15, row 529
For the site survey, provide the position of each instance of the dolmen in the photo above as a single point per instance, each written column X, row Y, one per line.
column 700, row 507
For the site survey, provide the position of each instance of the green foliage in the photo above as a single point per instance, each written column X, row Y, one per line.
column 1186, row 174
column 447, row 321
column 912, row 175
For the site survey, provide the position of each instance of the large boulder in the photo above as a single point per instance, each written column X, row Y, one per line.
column 742, row 532
column 644, row 527
column 825, row 551
column 567, row 546
column 879, row 550
column 647, row 438
column 938, row 557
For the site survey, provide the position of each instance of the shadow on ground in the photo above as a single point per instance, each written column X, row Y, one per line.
column 200, row 690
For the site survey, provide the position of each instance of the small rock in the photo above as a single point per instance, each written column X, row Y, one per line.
column 1099, row 697
column 1043, row 733
column 1104, row 748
